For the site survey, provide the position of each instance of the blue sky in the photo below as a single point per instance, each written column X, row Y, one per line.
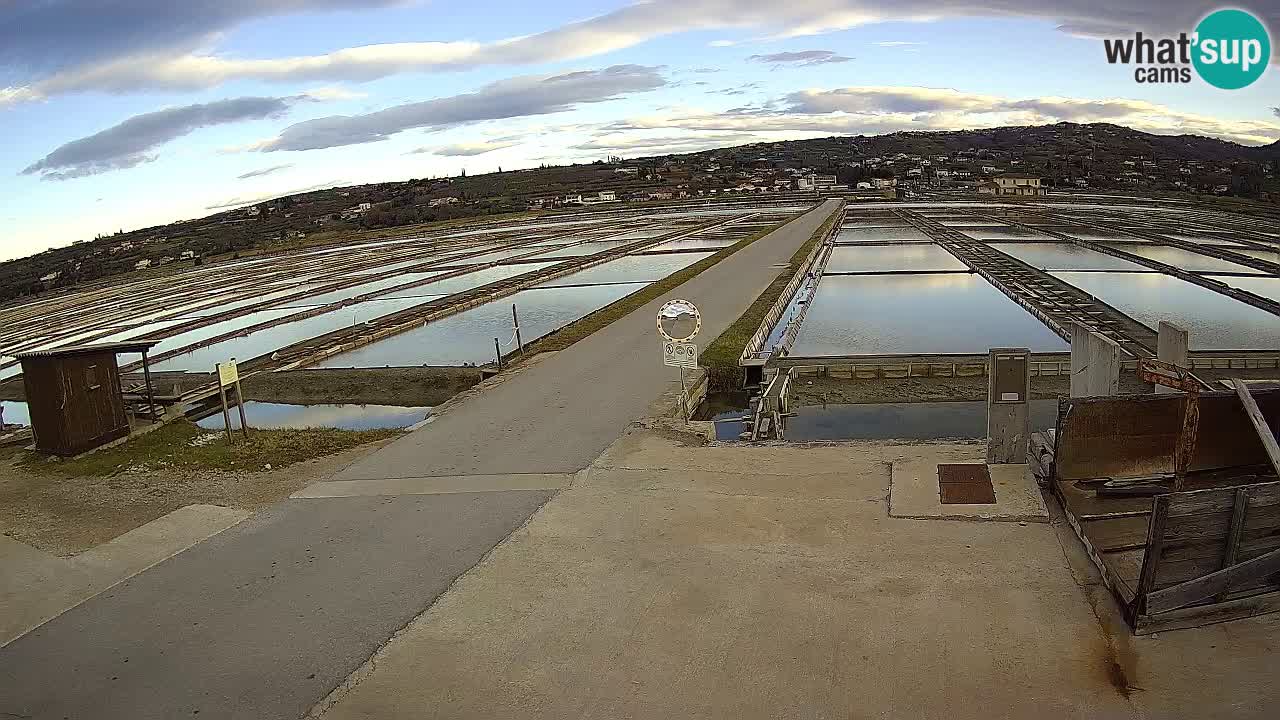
column 124, row 113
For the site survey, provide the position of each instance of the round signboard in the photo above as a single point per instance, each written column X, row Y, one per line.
column 679, row 320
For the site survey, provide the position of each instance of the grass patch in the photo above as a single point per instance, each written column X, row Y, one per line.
column 184, row 446
column 588, row 324
column 724, row 352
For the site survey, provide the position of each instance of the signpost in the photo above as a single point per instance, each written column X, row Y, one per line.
column 679, row 322
column 229, row 377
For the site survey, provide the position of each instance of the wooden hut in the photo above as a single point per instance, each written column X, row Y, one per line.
column 74, row 395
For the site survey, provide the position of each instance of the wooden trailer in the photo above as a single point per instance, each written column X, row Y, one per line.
column 75, row 398
column 1206, row 553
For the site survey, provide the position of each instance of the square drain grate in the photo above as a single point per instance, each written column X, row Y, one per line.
column 965, row 484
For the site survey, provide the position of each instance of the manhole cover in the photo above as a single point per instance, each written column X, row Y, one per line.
column 965, row 485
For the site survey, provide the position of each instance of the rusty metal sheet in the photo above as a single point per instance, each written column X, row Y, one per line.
column 965, row 484
column 1137, row 435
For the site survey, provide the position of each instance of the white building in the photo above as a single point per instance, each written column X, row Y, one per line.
column 1013, row 184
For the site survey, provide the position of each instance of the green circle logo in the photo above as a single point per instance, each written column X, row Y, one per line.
column 1232, row 49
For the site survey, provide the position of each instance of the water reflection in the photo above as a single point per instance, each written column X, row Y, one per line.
column 632, row 268
column 1215, row 321
column 1065, row 256
column 915, row 314
column 275, row 416
column 467, row 337
column 878, row 258
column 872, row 234
column 1186, row 259
column 903, row 421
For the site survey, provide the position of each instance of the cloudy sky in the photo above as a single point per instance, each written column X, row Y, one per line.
column 126, row 113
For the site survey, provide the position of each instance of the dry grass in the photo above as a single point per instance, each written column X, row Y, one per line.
column 585, row 326
column 184, row 446
column 725, row 351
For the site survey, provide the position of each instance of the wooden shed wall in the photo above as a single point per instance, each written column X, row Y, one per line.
column 75, row 402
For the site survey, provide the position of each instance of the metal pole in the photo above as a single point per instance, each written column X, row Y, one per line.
column 497, row 350
column 244, row 423
column 146, row 375
column 684, row 396
column 226, row 412
column 515, row 319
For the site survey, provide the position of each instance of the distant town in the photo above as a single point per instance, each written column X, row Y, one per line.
column 1012, row 161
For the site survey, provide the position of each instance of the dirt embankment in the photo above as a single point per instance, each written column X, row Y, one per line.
column 404, row 386
column 68, row 506
column 827, row 390
column 410, row 386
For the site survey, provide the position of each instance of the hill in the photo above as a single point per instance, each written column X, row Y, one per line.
column 1098, row 156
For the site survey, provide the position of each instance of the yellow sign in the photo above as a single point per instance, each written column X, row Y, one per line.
column 228, row 374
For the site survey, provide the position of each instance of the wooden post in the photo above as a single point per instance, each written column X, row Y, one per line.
column 1260, row 425
column 497, row 350
column 1234, row 532
column 226, row 412
column 151, row 398
column 1186, row 439
column 244, row 423
column 515, row 319
column 1151, row 558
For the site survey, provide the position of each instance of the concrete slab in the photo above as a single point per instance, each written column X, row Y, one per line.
column 913, row 489
column 656, row 593
column 36, row 586
column 261, row 620
column 435, row 485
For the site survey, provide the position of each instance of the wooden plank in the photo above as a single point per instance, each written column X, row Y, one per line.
column 1196, row 502
column 1267, row 437
column 1155, row 545
column 1233, row 534
column 1188, row 592
column 1202, row 615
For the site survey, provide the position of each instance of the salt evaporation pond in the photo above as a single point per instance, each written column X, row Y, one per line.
column 888, row 258
column 1187, row 259
column 875, row 234
column 1067, row 256
column 467, row 337
column 283, row 416
column 916, row 314
column 267, row 340
column 1215, row 321
column 632, row 268
column 903, row 421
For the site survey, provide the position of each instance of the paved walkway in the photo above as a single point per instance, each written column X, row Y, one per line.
column 265, row 619
column 564, row 411
column 772, row 582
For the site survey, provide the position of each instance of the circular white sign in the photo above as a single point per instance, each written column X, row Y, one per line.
column 679, row 320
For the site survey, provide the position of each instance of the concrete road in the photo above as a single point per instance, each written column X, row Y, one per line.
column 562, row 413
column 265, row 619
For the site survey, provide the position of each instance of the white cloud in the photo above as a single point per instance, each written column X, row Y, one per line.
column 134, row 141
column 874, row 109
column 522, row 96
column 802, row 57
column 618, row 143
column 144, row 67
column 264, row 171
column 468, row 149
column 240, row 200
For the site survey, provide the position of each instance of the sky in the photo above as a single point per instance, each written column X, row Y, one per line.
column 121, row 114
